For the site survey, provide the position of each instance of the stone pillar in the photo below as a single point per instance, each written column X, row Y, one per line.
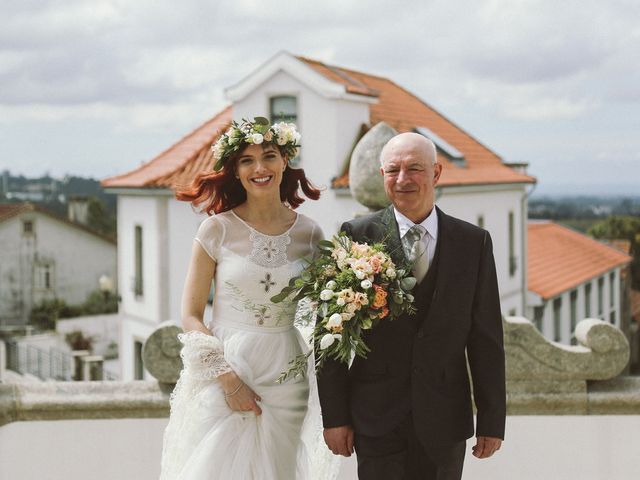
column 92, row 367
column 77, row 363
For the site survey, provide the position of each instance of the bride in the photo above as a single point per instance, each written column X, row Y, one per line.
column 230, row 418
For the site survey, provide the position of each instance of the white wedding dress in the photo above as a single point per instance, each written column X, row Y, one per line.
column 205, row 439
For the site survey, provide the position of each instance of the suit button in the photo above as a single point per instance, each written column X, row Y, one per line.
column 416, row 370
column 420, row 334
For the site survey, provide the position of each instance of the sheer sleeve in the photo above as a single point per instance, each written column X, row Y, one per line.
column 316, row 235
column 210, row 236
column 202, row 355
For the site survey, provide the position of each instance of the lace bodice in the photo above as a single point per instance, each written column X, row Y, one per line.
column 252, row 267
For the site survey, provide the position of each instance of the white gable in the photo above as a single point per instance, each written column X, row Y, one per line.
column 306, row 75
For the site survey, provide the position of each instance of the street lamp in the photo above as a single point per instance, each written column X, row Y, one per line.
column 106, row 285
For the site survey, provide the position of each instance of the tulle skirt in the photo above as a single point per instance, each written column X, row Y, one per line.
column 206, row 440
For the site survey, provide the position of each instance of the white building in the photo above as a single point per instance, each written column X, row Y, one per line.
column 43, row 256
column 332, row 107
column 571, row 277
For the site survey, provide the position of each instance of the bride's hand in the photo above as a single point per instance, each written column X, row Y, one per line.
column 238, row 395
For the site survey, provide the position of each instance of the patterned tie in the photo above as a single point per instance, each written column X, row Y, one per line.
column 416, row 251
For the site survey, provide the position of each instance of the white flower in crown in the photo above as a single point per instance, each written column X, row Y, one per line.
column 283, row 134
column 218, row 150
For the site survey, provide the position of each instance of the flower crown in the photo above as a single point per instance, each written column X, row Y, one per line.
column 260, row 130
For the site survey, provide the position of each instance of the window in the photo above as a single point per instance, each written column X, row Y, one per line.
column 612, row 289
column 587, row 300
column 557, row 317
column 284, row 109
column 43, row 276
column 138, row 280
column 512, row 247
column 443, row 146
column 138, row 366
column 600, row 296
column 481, row 221
column 538, row 314
column 574, row 314
column 27, row 227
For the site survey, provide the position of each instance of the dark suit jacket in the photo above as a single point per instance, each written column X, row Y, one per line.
column 417, row 363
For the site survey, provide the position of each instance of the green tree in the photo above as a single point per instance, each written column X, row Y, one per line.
column 45, row 315
column 99, row 219
column 622, row 228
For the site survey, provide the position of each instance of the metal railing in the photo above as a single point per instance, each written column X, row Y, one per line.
column 51, row 364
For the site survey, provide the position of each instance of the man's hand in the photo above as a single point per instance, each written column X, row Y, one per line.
column 339, row 440
column 486, row 446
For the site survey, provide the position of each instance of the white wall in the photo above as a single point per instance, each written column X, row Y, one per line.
column 182, row 227
column 140, row 315
column 79, row 259
column 605, row 314
column 494, row 203
column 329, row 128
column 536, row 447
column 132, row 329
column 146, row 212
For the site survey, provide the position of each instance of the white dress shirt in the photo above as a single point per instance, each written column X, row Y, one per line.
column 431, row 226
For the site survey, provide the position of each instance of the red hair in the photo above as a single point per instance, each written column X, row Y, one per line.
column 221, row 191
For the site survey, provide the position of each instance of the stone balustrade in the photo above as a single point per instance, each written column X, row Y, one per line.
column 543, row 378
column 548, row 378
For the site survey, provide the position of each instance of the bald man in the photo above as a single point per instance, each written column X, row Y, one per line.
column 407, row 407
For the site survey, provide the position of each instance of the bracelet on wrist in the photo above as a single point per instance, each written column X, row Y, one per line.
column 236, row 390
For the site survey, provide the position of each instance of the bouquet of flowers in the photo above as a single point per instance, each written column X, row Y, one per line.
column 348, row 288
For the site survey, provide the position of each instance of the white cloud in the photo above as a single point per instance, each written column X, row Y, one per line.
column 521, row 75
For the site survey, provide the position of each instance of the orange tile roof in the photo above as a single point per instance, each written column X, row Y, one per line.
column 180, row 162
column 342, row 76
column 621, row 244
column 397, row 107
column 560, row 259
column 404, row 111
column 8, row 210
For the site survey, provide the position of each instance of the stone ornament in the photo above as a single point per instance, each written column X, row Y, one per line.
column 161, row 353
column 365, row 180
column 602, row 353
column 548, row 378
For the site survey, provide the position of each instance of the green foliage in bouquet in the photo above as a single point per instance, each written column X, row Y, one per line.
column 349, row 287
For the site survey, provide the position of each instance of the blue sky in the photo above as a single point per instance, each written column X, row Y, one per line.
column 95, row 88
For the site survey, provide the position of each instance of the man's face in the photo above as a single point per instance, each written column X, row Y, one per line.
column 410, row 178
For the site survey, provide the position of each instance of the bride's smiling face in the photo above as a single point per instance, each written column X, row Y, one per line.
column 260, row 168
